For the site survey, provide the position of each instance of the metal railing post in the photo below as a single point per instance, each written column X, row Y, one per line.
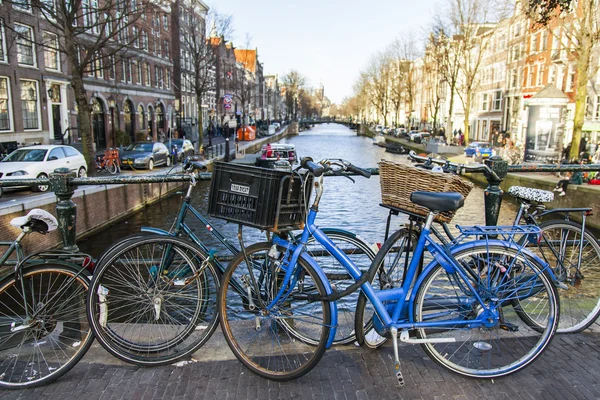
column 493, row 193
column 66, row 209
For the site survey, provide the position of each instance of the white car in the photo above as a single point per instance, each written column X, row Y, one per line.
column 39, row 162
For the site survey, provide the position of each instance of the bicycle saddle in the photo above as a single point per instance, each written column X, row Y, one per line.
column 530, row 194
column 38, row 220
column 450, row 201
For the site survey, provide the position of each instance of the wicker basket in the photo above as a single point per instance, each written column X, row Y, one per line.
column 398, row 181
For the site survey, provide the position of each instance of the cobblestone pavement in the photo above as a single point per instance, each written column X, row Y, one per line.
column 569, row 369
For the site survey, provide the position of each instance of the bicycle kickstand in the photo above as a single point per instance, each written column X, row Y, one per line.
column 399, row 376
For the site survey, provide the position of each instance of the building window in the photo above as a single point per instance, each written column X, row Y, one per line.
column 136, row 37
column 165, row 22
column 141, row 119
column 112, row 69
column 23, row 5
column 2, row 42
column 168, row 79
column 596, row 114
column 51, row 56
column 552, row 75
column 544, row 40
column 144, row 40
column 166, row 49
column 484, row 102
column 97, row 67
column 25, row 48
column 4, row 102
column 147, row 72
column 497, row 100
column 156, row 77
column 29, row 104
column 123, row 68
column 530, row 76
column 129, row 73
column 540, row 76
column 138, row 68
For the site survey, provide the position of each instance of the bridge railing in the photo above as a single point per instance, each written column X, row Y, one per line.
column 63, row 183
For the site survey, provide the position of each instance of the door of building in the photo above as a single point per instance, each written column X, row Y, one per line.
column 98, row 126
column 56, row 125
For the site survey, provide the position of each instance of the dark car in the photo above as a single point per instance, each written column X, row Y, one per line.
column 185, row 148
column 145, row 155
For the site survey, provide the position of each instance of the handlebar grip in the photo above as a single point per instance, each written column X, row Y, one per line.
column 316, row 168
column 359, row 171
column 192, row 163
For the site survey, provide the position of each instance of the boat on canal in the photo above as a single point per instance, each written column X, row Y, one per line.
column 277, row 156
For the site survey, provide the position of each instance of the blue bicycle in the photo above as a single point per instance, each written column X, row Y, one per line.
column 462, row 308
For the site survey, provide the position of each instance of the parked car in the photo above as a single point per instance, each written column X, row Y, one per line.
column 145, row 155
column 484, row 149
column 413, row 135
column 185, row 148
column 379, row 128
column 39, row 161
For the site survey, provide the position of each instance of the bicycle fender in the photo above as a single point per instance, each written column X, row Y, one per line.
column 468, row 245
column 156, row 231
column 328, row 290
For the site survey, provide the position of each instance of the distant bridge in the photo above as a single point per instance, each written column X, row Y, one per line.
column 309, row 122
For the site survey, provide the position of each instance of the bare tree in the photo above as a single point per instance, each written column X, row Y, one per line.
column 94, row 35
column 378, row 79
column 471, row 23
column 444, row 52
column 195, row 42
column 580, row 23
column 294, row 83
column 403, row 84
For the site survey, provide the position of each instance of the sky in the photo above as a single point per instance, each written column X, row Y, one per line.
column 327, row 41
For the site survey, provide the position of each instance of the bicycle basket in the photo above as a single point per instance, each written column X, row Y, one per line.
column 398, row 181
column 262, row 198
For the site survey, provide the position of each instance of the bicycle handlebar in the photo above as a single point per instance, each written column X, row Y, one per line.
column 326, row 165
column 487, row 171
column 193, row 164
column 316, row 168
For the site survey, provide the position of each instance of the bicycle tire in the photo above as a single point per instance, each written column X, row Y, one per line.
column 498, row 274
column 362, row 256
column 111, row 167
column 56, row 339
column 386, row 271
column 243, row 319
column 165, row 330
column 580, row 303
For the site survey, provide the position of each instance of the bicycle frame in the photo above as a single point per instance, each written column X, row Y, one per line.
column 396, row 315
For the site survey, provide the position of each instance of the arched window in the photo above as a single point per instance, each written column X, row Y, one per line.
column 141, row 118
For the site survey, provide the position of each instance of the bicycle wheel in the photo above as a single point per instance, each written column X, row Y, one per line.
column 43, row 327
column 259, row 337
column 560, row 247
column 359, row 252
column 386, row 272
column 111, row 166
column 505, row 344
column 153, row 301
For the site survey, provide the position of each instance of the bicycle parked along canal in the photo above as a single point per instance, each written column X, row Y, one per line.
column 462, row 307
column 43, row 326
column 568, row 246
column 160, row 328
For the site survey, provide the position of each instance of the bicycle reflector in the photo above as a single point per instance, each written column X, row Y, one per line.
column 88, row 263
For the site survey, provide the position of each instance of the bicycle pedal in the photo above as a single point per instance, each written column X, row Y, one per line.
column 509, row 327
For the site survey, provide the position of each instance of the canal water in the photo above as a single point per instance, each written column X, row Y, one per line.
column 351, row 206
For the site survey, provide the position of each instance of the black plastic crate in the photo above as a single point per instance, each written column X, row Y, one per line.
column 258, row 197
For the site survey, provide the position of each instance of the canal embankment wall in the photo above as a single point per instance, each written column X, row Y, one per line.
column 100, row 206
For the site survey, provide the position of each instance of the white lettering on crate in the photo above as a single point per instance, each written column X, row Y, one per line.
column 240, row 189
